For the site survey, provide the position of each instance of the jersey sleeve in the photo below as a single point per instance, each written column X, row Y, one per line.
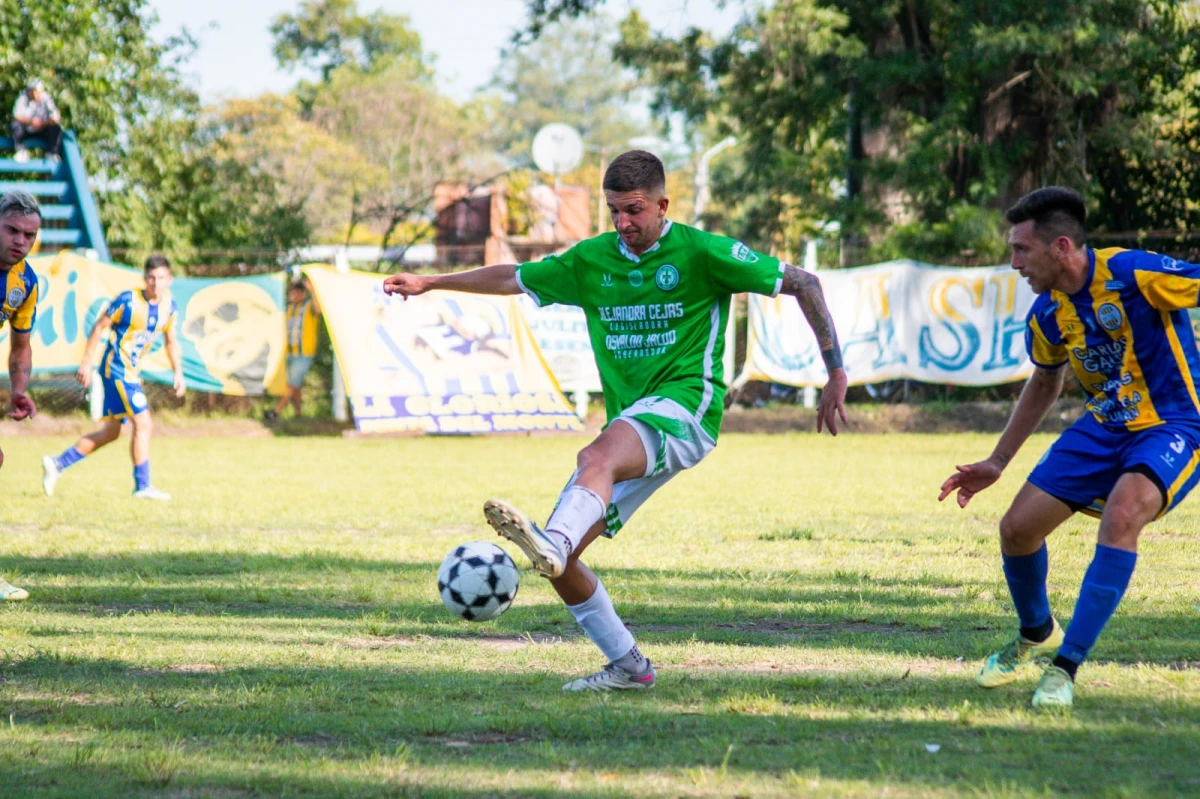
column 734, row 267
column 1167, row 284
column 1043, row 351
column 550, row 280
column 118, row 309
column 26, row 313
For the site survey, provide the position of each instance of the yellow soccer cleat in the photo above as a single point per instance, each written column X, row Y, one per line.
column 1056, row 691
column 1001, row 667
column 10, row 593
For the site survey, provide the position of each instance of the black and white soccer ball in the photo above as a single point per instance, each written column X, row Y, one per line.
column 478, row 581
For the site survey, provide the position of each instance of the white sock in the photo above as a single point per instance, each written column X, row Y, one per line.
column 600, row 621
column 578, row 509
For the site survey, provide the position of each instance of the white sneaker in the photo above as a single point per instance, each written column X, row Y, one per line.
column 613, row 678
column 543, row 551
column 150, row 492
column 50, row 474
column 21, row 156
column 10, row 593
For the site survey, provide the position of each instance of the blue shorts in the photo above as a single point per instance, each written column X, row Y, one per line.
column 1083, row 465
column 122, row 400
column 297, row 368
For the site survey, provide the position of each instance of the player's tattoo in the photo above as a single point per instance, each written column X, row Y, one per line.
column 806, row 288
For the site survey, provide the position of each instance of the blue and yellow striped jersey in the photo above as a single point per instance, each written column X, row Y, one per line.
column 19, row 304
column 1127, row 336
column 135, row 325
column 302, row 329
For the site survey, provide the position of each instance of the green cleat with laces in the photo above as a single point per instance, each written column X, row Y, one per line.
column 1001, row 667
column 1056, row 691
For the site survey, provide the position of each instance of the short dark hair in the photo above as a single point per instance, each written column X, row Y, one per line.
column 1055, row 211
column 636, row 170
column 297, row 286
column 157, row 261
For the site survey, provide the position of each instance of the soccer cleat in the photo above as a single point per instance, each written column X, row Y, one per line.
column 10, row 593
column 1056, row 690
column 1001, row 667
column 50, row 474
column 613, row 678
column 150, row 492
column 543, row 551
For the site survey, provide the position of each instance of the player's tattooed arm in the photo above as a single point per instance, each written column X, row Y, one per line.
column 806, row 288
column 20, row 369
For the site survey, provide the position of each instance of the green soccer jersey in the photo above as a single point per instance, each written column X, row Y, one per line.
column 657, row 322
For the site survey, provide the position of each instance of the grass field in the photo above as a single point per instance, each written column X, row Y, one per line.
column 815, row 616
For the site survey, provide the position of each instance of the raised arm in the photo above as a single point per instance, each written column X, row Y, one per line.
column 806, row 288
column 497, row 279
column 1039, row 394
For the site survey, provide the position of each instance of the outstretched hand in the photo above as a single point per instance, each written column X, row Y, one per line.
column 969, row 480
column 22, row 408
column 405, row 284
column 833, row 402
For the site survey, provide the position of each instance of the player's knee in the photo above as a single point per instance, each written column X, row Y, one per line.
column 1012, row 532
column 143, row 425
column 591, row 458
column 1126, row 519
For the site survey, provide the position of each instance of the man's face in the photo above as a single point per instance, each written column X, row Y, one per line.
column 637, row 216
column 295, row 296
column 158, row 280
column 17, row 234
column 1038, row 262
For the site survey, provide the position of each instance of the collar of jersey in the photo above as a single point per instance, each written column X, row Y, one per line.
column 638, row 258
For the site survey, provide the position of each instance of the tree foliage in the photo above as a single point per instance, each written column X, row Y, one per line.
column 875, row 112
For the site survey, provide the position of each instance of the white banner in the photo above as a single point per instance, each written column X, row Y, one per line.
column 561, row 333
column 901, row 319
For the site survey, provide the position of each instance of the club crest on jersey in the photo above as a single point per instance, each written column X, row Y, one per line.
column 1110, row 316
column 1169, row 264
column 15, row 296
column 667, row 277
column 606, row 281
column 635, row 278
column 743, row 253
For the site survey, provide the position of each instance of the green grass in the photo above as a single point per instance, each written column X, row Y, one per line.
column 816, row 618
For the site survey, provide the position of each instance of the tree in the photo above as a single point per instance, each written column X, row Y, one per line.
column 868, row 112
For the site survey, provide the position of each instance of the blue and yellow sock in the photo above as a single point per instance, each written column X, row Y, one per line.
column 141, row 476
column 68, row 458
column 1026, row 576
column 1104, row 584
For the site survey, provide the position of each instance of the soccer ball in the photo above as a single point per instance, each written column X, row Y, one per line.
column 478, row 581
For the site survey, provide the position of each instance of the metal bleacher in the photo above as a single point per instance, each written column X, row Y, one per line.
column 69, row 216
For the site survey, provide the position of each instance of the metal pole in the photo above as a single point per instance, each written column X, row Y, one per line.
column 601, row 204
column 338, row 394
column 702, row 194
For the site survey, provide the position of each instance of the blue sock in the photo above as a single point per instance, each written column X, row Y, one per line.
column 70, row 457
column 1103, row 586
column 141, row 476
column 1026, row 575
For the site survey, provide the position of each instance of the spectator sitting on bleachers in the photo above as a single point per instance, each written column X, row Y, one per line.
column 34, row 114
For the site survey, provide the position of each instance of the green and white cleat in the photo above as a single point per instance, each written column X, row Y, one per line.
column 50, row 474
column 613, row 678
column 1055, row 691
column 10, row 593
column 548, row 559
column 1001, row 667
column 150, row 492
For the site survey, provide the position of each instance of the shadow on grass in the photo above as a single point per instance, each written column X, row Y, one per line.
column 306, row 426
column 833, row 725
column 834, row 610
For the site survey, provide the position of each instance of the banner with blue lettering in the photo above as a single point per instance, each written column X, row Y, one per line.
column 231, row 330
column 441, row 362
column 901, row 319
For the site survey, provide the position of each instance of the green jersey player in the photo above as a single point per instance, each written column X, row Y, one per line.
column 656, row 295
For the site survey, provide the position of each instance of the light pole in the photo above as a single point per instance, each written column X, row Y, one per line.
column 702, row 179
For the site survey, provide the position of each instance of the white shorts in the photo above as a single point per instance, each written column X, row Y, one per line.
column 674, row 441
